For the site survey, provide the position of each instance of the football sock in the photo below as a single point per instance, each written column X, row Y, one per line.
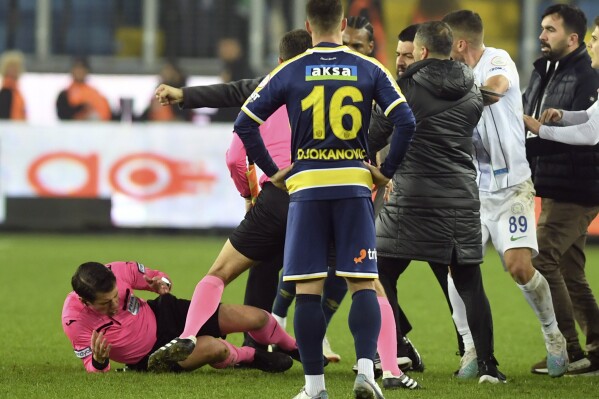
column 459, row 314
column 365, row 326
column 245, row 354
column 273, row 333
column 284, row 298
column 538, row 296
column 366, row 367
column 334, row 291
column 387, row 341
column 310, row 327
column 314, row 384
column 204, row 302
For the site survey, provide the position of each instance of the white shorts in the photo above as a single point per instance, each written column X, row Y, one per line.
column 508, row 218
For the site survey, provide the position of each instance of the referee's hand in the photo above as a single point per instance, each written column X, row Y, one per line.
column 100, row 347
column 278, row 179
column 158, row 284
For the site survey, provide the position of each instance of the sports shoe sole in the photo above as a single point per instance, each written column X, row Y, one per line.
column 364, row 389
column 490, row 379
column 175, row 351
column 593, row 373
column 333, row 357
column 582, row 368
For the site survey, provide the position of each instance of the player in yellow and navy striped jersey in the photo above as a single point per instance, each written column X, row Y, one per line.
column 329, row 91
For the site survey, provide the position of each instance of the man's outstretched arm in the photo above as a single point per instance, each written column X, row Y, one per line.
column 219, row 95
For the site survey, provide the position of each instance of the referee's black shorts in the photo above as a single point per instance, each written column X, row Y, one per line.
column 171, row 313
column 261, row 234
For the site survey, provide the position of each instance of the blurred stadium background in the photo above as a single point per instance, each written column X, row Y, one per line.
column 91, row 175
column 142, row 177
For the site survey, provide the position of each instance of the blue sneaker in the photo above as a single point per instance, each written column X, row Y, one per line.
column 468, row 365
column 304, row 395
column 557, row 354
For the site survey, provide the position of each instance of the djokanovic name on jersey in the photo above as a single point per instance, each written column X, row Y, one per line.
column 330, row 154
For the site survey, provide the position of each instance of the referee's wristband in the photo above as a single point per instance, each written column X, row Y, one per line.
column 166, row 281
column 100, row 366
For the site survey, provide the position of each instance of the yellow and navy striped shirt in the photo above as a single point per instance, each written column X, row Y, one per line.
column 328, row 91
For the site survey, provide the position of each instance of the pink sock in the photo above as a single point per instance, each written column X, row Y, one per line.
column 272, row 333
column 245, row 354
column 204, row 303
column 387, row 342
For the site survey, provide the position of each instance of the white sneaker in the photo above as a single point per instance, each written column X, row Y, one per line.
column 328, row 352
column 304, row 395
column 364, row 389
column 557, row 354
column 468, row 365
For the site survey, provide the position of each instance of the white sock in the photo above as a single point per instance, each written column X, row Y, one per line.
column 366, row 367
column 459, row 314
column 538, row 296
column 314, row 384
column 281, row 320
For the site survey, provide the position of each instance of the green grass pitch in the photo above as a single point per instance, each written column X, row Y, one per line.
column 36, row 360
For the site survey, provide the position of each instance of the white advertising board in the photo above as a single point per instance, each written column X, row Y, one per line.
column 157, row 175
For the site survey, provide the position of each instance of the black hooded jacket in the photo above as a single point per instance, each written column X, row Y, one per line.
column 433, row 211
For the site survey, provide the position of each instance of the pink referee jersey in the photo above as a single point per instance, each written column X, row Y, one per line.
column 276, row 134
column 131, row 331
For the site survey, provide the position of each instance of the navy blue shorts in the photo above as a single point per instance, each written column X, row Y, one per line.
column 313, row 225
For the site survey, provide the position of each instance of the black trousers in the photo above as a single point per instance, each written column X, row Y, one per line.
column 389, row 271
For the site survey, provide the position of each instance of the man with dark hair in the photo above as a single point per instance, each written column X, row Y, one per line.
column 408, row 358
column 565, row 177
column 405, row 48
column 359, row 35
column 389, row 277
column 294, row 43
column 329, row 184
column 104, row 320
column 324, row 14
column 433, row 213
column 505, row 188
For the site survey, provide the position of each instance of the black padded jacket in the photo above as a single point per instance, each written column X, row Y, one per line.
column 433, row 212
